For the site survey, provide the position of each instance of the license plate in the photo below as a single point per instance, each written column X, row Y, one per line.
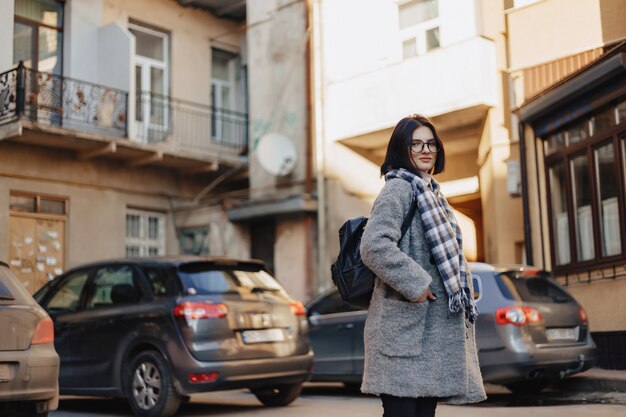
column 562, row 334
column 5, row 372
column 263, row 336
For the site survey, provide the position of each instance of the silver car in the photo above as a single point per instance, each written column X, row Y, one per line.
column 530, row 331
column 29, row 365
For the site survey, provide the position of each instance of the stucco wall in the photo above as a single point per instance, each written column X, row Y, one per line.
column 277, row 65
column 192, row 32
column 603, row 300
column 560, row 34
column 98, row 193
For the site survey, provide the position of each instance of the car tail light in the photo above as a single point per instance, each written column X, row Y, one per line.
column 44, row 332
column 297, row 308
column 200, row 310
column 518, row 315
column 583, row 315
column 202, row 377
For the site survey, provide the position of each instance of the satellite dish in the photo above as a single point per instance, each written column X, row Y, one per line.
column 277, row 154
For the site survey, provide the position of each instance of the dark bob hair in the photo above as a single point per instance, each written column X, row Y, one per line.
column 398, row 151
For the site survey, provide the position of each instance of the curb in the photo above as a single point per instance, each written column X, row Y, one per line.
column 586, row 384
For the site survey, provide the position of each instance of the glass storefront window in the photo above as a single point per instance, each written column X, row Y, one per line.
column 577, row 132
column 608, row 198
column 555, row 142
column 621, row 112
column 560, row 220
column 603, row 120
column 581, row 190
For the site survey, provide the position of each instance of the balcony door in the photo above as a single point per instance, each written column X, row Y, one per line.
column 223, row 73
column 151, row 83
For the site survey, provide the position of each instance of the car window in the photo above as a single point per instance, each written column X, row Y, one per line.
column 208, row 282
column 203, row 278
column 533, row 288
column 113, row 285
column 66, row 295
column 162, row 281
column 331, row 304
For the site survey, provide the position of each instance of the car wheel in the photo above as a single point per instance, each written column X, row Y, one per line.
column 149, row 386
column 527, row 387
column 278, row 396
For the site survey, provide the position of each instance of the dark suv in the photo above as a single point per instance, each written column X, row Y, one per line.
column 530, row 331
column 155, row 330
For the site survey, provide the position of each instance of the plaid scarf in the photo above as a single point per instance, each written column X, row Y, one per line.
column 443, row 235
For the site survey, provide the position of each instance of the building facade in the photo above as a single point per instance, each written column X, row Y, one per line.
column 116, row 119
column 572, row 112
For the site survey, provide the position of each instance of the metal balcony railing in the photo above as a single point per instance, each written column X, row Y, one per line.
column 59, row 101
column 191, row 126
column 158, row 120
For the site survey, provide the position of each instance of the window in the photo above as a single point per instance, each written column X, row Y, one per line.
column 560, row 220
column 409, row 48
column 67, row 296
column 587, row 191
column 417, row 11
column 38, row 35
column 331, row 304
column 621, row 112
column 432, row 39
column 194, row 241
column 113, row 285
column 603, row 120
column 151, row 81
column 145, row 233
column 163, row 281
column 223, row 85
column 582, row 208
column 418, row 23
column 32, row 203
column 608, row 197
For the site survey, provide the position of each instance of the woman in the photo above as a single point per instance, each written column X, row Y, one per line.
column 420, row 343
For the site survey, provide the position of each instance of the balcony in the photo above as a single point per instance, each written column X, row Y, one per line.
column 97, row 121
column 447, row 80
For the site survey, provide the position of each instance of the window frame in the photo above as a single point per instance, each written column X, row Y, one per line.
column 565, row 155
column 36, row 25
column 418, row 32
column 143, row 242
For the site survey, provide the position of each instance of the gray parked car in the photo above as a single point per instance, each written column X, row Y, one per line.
column 530, row 331
column 155, row 330
column 29, row 365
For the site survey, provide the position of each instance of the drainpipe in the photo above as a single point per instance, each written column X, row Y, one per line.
column 317, row 128
column 308, row 175
column 528, row 244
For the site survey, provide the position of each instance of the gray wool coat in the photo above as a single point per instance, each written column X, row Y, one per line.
column 412, row 349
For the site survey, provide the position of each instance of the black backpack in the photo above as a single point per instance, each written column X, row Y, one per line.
column 353, row 279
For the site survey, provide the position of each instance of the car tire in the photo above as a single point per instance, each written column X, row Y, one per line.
column 149, row 387
column 527, row 387
column 278, row 396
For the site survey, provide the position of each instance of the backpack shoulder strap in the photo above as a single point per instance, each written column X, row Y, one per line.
column 409, row 217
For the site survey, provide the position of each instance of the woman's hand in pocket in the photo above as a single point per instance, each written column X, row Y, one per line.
column 427, row 295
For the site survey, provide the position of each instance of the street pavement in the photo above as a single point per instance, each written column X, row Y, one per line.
column 333, row 399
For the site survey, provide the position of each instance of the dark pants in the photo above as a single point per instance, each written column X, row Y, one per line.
column 408, row 407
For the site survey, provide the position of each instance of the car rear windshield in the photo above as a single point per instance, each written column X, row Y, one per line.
column 204, row 278
column 531, row 287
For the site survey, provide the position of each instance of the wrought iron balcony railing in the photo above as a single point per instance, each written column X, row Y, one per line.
column 59, row 101
column 195, row 127
column 158, row 120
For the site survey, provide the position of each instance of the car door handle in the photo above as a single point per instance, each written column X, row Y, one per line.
column 348, row 326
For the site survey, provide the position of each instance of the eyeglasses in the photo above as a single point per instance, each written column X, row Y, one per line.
column 418, row 146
